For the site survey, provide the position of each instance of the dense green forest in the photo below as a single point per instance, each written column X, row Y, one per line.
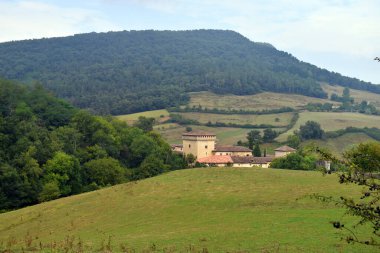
column 49, row 149
column 125, row 72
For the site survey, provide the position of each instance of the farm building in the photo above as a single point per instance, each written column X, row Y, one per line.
column 203, row 146
column 283, row 151
column 232, row 150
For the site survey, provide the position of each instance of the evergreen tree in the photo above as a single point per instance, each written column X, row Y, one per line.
column 256, row 151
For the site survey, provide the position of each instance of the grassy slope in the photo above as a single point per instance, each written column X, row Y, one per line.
column 341, row 143
column 225, row 135
column 223, row 209
column 331, row 121
column 241, row 119
column 131, row 118
column 358, row 95
column 261, row 101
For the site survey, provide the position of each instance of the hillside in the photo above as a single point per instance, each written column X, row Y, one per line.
column 261, row 101
column 125, row 72
column 49, row 149
column 332, row 121
column 221, row 209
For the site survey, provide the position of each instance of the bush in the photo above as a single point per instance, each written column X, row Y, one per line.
column 295, row 161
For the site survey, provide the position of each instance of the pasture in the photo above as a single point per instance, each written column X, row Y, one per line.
column 257, row 102
column 278, row 119
column 158, row 115
column 358, row 95
column 225, row 135
column 331, row 121
column 342, row 143
column 218, row 209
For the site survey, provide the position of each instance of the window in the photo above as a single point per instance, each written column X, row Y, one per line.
column 206, row 147
column 189, row 146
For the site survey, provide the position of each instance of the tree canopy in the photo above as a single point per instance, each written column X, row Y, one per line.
column 49, row 149
column 126, row 72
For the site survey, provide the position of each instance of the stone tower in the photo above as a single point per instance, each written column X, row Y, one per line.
column 199, row 143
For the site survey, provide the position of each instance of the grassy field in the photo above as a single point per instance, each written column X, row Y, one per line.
column 261, row 101
column 341, row 143
column 225, row 135
column 159, row 115
column 284, row 118
column 331, row 121
column 221, row 209
column 358, row 95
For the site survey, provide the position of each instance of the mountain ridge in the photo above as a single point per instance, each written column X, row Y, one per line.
column 131, row 71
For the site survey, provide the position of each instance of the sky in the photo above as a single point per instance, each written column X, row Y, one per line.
column 339, row 35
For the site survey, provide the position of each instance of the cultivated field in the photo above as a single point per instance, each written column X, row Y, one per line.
column 283, row 119
column 159, row 115
column 218, row 209
column 331, row 121
column 225, row 135
column 261, row 101
column 358, row 95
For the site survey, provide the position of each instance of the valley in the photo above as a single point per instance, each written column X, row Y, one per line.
column 233, row 111
column 182, row 141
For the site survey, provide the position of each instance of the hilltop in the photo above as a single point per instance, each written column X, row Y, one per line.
column 221, row 209
column 133, row 71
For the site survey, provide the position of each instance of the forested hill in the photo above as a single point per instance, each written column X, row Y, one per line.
column 124, row 72
column 49, row 149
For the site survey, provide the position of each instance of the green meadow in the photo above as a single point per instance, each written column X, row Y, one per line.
column 283, row 119
column 332, row 121
column 218, row 209
column 225, row 135
column 357, row 95
column 342, row 143
column 159, row 115
column 257, row 102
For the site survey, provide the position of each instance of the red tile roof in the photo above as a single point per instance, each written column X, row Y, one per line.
column 220, row 148
column 285, row 149
column 216, row 159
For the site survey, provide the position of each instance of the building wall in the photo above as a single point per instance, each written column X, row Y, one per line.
column 265, row 165
column 233, row 153
column 281, row 153
column 199, row 146
column 242, row 165
column 177, row 149
column 247, row 165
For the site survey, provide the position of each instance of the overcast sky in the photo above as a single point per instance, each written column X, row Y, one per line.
column 340, row 35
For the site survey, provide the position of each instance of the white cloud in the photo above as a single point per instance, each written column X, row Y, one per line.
column 35, row 19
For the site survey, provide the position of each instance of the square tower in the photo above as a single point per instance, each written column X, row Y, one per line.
column 199, row 143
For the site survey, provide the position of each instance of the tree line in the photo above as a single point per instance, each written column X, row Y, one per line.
column 127, row 72
column 50, row 149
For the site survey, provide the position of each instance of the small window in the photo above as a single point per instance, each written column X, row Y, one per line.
column 189, row 146
column 206, row 147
